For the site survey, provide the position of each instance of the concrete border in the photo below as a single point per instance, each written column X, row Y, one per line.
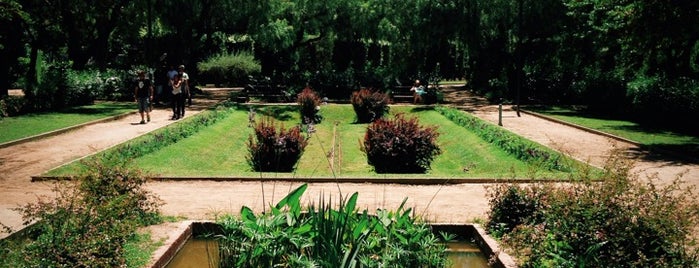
column 186, row 229
column 378, row 180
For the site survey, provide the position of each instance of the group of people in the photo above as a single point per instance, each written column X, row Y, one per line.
column 169, row 84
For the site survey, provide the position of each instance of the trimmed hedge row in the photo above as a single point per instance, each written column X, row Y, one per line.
column 521, row 148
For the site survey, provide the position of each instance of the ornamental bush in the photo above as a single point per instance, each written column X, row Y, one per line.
column 309, row 104
column 272, row 150
column 622, row 221
column 400, row 145
column 369, row 105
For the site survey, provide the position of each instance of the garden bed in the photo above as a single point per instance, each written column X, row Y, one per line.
column 216, row 149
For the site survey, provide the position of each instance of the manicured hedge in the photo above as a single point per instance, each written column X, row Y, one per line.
column 521, row 148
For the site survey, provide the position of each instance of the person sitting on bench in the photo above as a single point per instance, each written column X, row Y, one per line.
column 418, row 90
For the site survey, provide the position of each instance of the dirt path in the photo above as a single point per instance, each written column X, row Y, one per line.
column 204, row 199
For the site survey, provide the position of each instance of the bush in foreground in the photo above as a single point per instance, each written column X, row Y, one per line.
column 400, row 145
column 89, row 222
column 369, row 105
column 619, row 222
column 272, row 150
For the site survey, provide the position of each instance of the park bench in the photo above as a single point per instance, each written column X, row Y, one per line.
column 401, row 94
column 264, row 90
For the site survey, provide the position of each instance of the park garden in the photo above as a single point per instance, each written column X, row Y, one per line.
column 338, row 66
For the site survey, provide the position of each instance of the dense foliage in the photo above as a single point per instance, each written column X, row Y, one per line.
column 309, row 106
column 327, row 236
column 628, row 57
column 229, row 69
column 369, row 104
column 400, row 145
column 273, row 149
column 619, row 222
column 87, row 223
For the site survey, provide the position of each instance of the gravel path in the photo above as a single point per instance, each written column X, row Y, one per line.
column 203, row 199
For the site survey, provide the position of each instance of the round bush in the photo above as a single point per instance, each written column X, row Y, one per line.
column 400, row 145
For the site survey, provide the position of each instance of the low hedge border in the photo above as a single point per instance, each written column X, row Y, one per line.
column 514, row 144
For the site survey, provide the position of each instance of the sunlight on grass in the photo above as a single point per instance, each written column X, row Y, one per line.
column 18, row 127
column 220, row 150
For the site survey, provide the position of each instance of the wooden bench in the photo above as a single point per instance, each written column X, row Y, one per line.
column 402, row 94
column 264, row 91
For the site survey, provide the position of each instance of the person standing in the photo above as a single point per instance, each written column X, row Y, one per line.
column 178, row 97
column 161, row 81
column 185, row 78
column 143, row 94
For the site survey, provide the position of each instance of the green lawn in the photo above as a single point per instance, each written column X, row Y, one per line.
column 648, row 136
column 14, row 128
column 220, row 150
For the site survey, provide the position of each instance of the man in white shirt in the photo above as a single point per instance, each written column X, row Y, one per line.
column 185, row 80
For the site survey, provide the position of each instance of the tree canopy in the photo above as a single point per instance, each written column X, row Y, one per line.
column 607, row 54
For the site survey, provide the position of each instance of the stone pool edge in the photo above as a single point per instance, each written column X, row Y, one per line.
column 185, row 229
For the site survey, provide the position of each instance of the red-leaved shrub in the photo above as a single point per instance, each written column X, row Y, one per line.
column 309, row 104
column 400, row 145
column 272, row 150
column 369, row 105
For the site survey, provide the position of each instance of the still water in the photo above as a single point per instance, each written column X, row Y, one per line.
column 196, row 254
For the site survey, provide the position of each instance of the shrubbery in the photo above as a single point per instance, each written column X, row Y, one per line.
column 88, row 223
column 60, row 87
column 369, row 105
column 619, row 222
column 663, row 101
column 275, row 150
column 400, row 145
column 232, row 69
column 309, row 105
column 12, row 105
column 326, row 236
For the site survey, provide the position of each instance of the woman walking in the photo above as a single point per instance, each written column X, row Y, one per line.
column 179, row 95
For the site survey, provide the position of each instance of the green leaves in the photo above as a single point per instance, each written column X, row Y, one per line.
column 327, row 236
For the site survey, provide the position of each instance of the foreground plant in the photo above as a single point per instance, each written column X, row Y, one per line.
column 620, row 222
column 89, row 221
column 327, row 237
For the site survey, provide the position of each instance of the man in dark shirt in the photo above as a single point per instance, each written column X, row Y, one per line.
column 143, row 94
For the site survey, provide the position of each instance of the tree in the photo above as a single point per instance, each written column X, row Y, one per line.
column 11, row 41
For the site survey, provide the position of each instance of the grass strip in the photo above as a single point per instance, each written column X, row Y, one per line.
column 19, row 127
column 649, row 136
column 152, row 142
column 517, row 146
column 220, row 150
column 213, row 144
